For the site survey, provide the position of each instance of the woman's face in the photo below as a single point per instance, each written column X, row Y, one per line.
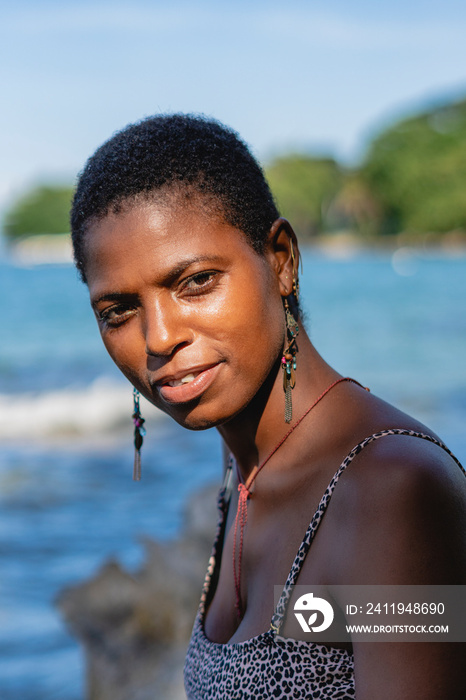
column 188, row 311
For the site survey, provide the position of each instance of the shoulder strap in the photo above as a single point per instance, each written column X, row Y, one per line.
column 278, row 616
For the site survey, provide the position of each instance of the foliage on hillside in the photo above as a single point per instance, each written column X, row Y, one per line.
column 417, row 171
column 304, row 188
column 413, row 178
column 44, row 209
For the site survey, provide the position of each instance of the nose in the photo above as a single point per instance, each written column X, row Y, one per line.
column 165, row 330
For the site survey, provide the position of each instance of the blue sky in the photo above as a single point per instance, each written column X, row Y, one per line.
column 320, row 75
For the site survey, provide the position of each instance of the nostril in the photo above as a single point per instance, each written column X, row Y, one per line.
column 156, row 361
column 165, row 350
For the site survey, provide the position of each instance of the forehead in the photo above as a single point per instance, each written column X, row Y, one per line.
column 153, row 238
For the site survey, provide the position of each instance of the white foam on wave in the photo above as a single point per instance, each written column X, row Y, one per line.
column 102, row 406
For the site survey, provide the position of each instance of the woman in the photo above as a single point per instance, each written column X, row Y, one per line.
column 193, row 278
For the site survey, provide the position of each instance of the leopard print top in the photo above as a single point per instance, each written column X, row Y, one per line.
column 269, row 665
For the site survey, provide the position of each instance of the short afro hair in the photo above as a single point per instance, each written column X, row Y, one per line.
column 174, row 152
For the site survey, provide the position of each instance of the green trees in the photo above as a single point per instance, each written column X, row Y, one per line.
column 413, row 178
column 417, row 171
column 45, row 209
column 304, row 188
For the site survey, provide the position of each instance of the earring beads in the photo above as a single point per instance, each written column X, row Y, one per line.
column 289, row 360
column 139, row 432
column 291, row 347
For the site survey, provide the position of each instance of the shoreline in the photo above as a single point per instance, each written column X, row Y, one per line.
column 56, row 249
column 347, row 243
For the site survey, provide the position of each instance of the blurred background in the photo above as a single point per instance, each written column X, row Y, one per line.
column 357, row 113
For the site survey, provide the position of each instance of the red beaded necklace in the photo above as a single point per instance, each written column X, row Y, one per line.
column 245, row 492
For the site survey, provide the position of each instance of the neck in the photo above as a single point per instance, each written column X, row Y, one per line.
column 252, row 434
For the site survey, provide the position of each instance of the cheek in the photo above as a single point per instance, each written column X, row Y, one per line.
column 123, row 346
column 255, row 325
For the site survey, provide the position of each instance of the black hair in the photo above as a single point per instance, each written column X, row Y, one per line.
column 177, row 151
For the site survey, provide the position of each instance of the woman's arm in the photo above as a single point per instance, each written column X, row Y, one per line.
column 406, row 526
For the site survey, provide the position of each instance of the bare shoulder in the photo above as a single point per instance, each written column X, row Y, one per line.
column 398, row 517
column 401, row 513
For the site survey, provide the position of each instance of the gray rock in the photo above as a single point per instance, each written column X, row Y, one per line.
column 135, row 628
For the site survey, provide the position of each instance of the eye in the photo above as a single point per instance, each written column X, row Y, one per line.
column 199, row 283
column 116, row 315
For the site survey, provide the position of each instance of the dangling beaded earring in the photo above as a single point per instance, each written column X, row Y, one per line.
column 289, row 360
column 139, row 432
column 291, row 349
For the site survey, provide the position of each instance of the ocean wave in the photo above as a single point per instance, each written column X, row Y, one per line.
column 102, row 406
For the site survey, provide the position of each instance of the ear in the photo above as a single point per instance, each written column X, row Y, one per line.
column 283, row 253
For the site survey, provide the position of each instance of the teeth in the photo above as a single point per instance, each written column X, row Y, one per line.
column 184, row 380
column 187, row 379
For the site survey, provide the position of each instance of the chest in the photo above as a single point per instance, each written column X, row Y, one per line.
column 276, row 525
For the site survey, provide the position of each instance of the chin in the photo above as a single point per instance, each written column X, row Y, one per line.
column 199, row 418
column 191, row 423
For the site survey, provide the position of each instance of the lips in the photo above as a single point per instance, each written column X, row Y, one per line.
column 189, row 386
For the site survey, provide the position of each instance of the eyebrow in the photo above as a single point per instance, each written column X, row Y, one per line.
column 112, row 296
column 169, row 276
column 187, row 262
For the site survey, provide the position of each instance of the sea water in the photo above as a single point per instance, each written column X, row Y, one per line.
column 397, row 323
